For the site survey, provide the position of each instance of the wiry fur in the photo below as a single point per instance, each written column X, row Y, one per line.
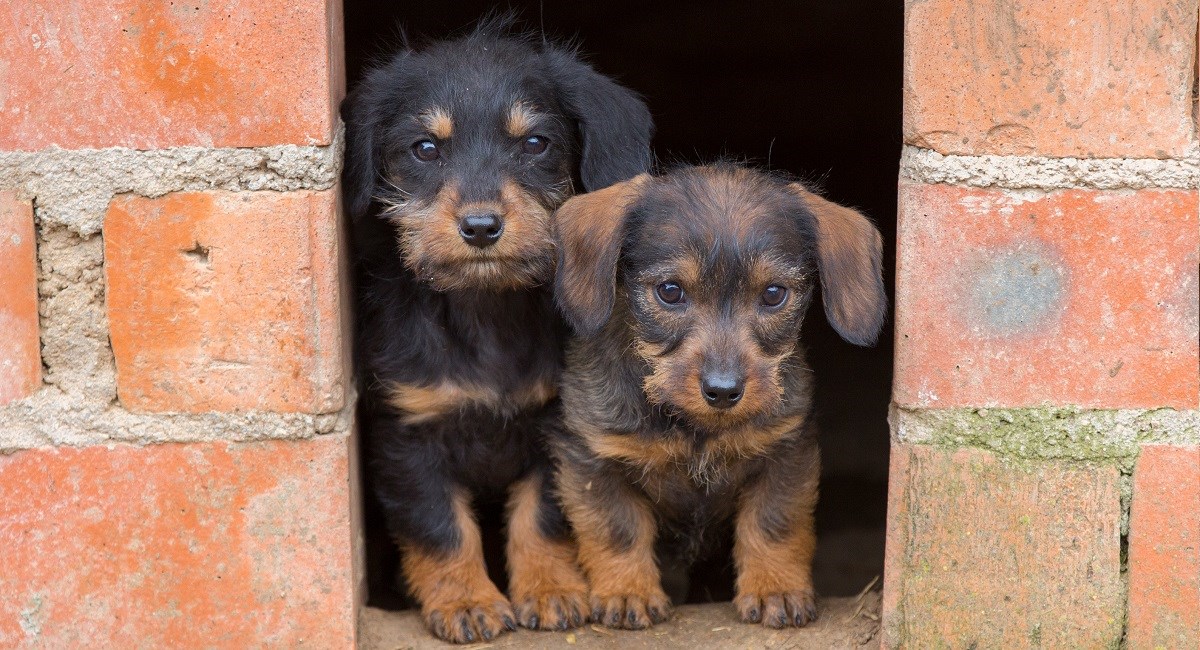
column 460, row 346
column 648, row 468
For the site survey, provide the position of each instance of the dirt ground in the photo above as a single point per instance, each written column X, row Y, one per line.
column 844, row 623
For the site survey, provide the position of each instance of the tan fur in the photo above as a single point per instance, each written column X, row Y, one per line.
column 424, row 403
column 438, row 122
column 435, row 251
column 674, row 379
column 587, row 227
column 454, row 590
column 774, row 576
column 654, row 454
column 703, row 464
column 548, row 591
column 853, row 295
column 621, row 580
column 521, row 119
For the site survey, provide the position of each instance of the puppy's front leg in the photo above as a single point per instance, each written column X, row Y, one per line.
column 548, row 592
column 458, row 600
column 616, row 532
column 775, row 541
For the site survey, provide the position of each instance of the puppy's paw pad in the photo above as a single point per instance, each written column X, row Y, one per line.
column 470, row 621
column 551, row 610
column 632, row 611
column 779, row 609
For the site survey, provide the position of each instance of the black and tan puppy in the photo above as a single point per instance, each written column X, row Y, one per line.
column 456, row 157
column 686, row 394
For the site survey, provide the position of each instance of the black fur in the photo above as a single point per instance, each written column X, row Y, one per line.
column 502, row 339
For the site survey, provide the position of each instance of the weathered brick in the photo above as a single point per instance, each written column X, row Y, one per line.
column 1164, row 549
column 213, row 545
column 1013, row 298
column 80, row 73
column 20, row 353
column 1086, row 78
column 225, row 301
column 984, row 553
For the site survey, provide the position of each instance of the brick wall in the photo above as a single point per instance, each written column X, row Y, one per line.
column 1045, row 481
column 176, row 449
column 176, row 436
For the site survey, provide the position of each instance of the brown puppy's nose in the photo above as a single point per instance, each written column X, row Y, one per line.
column 721, row 390
column 481, row 230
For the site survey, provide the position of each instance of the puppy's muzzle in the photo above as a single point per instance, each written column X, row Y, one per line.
column 481, row 229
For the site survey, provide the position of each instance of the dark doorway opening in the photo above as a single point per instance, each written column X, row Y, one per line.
column 811, row 88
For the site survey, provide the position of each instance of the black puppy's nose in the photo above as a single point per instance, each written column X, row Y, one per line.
column 481, row 230
column 721, row 390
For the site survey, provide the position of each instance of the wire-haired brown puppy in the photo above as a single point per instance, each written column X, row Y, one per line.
column 456, row 157
column 686, row 394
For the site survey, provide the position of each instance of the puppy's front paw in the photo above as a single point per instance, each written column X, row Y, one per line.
column 632, row 611
column 469, row 621
column 779, row 609
column 551, row 609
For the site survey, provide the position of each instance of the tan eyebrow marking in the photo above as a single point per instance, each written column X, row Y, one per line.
column 439, row 123
column 521, row 118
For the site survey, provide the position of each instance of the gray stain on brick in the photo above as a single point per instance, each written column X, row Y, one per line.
column 1017, row 290
column 33, row 616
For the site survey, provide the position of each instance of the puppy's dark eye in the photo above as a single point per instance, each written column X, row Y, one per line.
column 426, row 151
column 534, row 145
column 669, row 293
column 774, row 295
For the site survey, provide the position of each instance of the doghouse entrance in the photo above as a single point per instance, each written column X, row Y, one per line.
column 810, row 88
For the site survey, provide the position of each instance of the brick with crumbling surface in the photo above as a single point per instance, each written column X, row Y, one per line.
column 20, row 353
column 1085, row 78
column 203, row 545
column 1011, row 298
column 991, row 552
column 226, row 301
column 1164, row 549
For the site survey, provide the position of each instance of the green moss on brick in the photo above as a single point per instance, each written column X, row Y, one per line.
column 1060, row 433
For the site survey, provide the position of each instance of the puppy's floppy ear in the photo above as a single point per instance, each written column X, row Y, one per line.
column 589, row 229
column 364, row 111
column 614, row 123
column 849, row 260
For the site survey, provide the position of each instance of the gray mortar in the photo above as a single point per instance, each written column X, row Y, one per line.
column 51, row 418
column 1032, row 172
column 1059, row 433
column 76, row 356
column 72, row 188
column 77, row 404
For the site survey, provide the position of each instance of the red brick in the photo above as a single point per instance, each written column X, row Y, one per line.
column 1070, row 297
column 81, row 73
column 225, row 301
column 1086, row 78
column 981, row 552
column 20, row 351
column 1164, row 549
column 205, row 545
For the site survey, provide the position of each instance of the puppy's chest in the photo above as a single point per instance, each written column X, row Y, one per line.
column 503, row 362
column 690, row 510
